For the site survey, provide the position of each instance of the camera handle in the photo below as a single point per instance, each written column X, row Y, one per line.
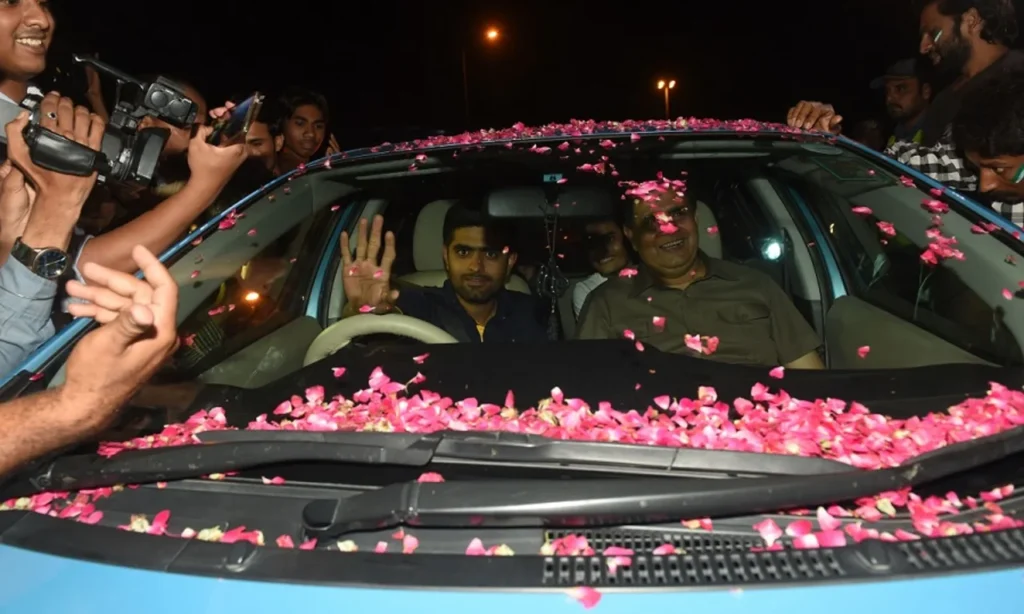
column 106, row 69
column 56, row 153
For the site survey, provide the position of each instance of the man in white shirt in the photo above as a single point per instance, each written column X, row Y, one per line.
column 607, row 253
column 26, row 28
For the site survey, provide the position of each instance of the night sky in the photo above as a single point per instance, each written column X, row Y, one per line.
column 386, row 64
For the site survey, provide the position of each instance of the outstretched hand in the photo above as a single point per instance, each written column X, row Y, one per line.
column 110, row 364
column 367, row 281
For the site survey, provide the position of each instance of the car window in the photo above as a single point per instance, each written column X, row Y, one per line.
column 260, row 296
column 245, row 281
column 884, row 232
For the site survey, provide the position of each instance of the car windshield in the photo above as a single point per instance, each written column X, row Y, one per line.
column 889, row 274
column 910, row 292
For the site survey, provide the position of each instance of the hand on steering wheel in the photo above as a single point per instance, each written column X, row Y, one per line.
column 367, row 283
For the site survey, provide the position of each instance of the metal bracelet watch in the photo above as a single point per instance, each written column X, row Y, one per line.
column 48, row 262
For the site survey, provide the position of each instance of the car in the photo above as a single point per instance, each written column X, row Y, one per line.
column 289, row 458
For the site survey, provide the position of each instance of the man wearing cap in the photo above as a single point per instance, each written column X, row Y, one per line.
column 906, row 100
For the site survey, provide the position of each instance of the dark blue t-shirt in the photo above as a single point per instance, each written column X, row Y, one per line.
column 516, row 319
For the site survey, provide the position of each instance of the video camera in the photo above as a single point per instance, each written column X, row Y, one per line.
column 129, row 154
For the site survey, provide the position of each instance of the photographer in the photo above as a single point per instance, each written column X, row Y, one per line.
column 40, row 209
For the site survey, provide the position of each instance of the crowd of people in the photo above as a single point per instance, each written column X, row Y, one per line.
column 956, row 114
column 72, row 248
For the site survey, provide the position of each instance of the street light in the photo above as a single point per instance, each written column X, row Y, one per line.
column 667, row 87
column 491, row 35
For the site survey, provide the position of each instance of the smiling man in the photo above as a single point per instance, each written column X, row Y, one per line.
column 680, row 293
column 26, row 29
column 607, row 253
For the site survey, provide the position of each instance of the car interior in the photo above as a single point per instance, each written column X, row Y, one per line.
column 263, row 299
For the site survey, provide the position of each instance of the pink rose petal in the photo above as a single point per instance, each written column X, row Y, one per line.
column 586, row 595
column 769, row 530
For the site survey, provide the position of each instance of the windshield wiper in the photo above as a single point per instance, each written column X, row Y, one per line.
column 578, row 503
column 191, row 461
column 227, row 451
column 503, row 447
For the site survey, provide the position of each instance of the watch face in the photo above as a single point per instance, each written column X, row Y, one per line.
column 51, row 263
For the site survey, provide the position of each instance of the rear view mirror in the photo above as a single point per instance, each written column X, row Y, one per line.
column 533, row 203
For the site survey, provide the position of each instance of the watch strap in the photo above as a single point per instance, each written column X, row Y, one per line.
column 24, row 254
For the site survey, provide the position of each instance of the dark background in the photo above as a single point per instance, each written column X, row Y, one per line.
column 386, row 64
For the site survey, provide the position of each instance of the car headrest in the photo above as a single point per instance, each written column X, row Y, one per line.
column 710, row 242
column 427, row 236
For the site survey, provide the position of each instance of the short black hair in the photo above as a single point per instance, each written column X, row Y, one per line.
column 270, row 114
column 293, row 98
column 991, row 118
column 496, row 233
column 999, row 16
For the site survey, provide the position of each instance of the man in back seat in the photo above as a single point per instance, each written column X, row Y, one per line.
column 472, row 305
column 607, row 253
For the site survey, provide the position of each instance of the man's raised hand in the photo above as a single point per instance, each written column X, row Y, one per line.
column 367, row 280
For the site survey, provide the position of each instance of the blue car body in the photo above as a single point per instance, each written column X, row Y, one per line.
column 40, row 582
column 36, row 582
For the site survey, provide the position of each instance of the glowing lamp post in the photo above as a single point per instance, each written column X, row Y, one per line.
column 667, row 87
column 491, row 36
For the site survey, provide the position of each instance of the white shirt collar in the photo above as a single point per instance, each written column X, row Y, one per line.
column 32, row 91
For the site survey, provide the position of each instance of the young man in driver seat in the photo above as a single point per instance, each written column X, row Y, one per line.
column 682, row 301
column 472, row 305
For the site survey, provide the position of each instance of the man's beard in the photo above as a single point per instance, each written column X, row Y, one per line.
column 896, row 113
column 952, row 58
column 477, row 296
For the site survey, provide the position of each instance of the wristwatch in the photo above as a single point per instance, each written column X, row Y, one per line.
column 48, row 262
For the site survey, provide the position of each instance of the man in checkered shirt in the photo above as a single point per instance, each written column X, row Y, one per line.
column 969, row 42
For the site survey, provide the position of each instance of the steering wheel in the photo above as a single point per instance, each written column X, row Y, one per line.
column 341, row 333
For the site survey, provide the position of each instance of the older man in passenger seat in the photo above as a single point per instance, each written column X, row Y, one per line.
column 472, row 305
column 682, row 301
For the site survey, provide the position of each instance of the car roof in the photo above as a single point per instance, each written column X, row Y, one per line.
column 586, row 130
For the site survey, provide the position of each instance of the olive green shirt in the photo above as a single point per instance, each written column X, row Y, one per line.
column 753, row 319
